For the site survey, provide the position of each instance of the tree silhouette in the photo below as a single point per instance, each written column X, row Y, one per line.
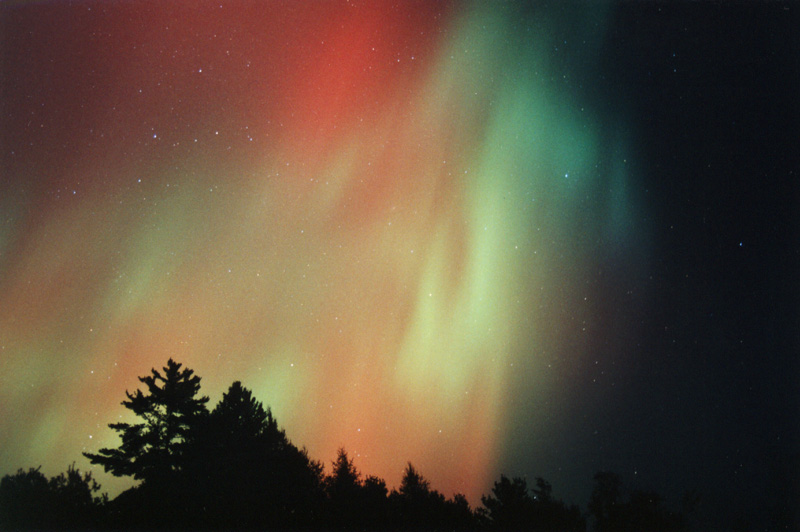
column 375, row 498
column 543, row 492
column 153, row 450
column 459, row 515
column 417, row 505
column 640, row 512
column 28, row 501
column 245, row 470
column 239, row 416
column 235, row 468
column 25, row 500
column 345, row 491
column 512, row 507
column 605, row 503
column 509, row 505
column 413, row 484
column 344, row 478
column 75, row 505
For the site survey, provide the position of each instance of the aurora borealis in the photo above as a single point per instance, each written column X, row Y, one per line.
column 413, row 229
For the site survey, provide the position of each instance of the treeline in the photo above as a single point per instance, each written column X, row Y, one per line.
column 234, row 468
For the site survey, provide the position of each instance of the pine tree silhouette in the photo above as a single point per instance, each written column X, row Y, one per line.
column 153, row 450
column 29, row 501
column 246, row 472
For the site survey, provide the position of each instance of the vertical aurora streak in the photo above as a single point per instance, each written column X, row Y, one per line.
column 377, row 217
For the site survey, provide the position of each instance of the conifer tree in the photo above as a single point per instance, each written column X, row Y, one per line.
column 170, row 410
column 344, row 490
column 245, row 470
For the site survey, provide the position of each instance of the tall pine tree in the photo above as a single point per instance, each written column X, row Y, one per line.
column 170, row 409
column 247, row 473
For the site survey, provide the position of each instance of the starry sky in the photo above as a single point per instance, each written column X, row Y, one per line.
column 542, row 239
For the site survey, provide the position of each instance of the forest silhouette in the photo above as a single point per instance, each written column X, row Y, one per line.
column 234, row 468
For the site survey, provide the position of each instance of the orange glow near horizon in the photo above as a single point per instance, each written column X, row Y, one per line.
column 359, row 211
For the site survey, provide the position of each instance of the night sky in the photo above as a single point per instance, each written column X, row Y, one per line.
column 539, row 239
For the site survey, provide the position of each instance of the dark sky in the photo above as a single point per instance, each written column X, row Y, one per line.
column 539, row 239
column 713, row 91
